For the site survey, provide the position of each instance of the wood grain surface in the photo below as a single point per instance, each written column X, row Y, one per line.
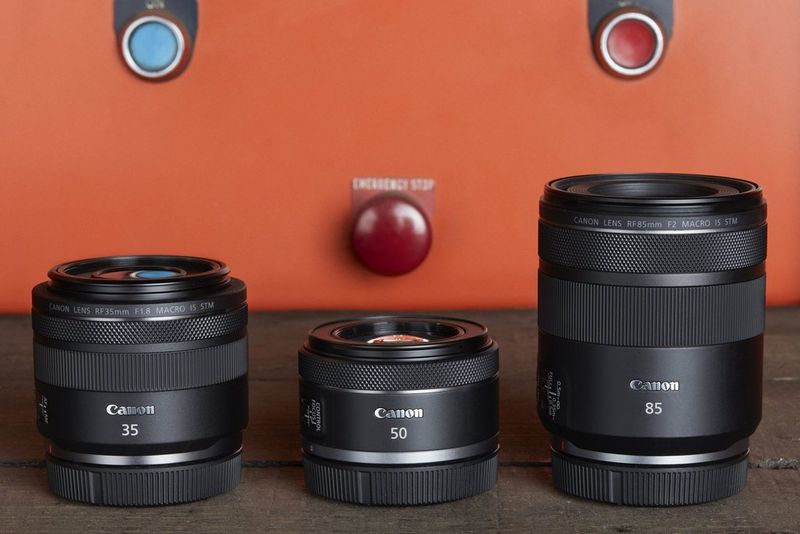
column 272, row 497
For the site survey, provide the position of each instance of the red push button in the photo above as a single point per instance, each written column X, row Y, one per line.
column 391, row 235
column 629, row 44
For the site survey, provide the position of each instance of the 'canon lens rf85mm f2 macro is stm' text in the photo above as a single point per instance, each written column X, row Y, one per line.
column 399, row 410
column 141, row 378
column 651, row 314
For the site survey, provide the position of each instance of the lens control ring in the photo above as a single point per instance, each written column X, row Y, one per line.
column 139, row 332
column 649, row 252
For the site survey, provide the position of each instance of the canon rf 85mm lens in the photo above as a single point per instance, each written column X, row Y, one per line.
column 399, row 410
column 651, row 314
column 141, row 378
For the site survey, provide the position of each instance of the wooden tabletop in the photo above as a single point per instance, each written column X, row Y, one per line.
column 272, row 497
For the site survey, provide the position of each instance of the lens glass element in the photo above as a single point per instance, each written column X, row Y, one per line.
column 153, row 274
column 397, row 338
column 397, row 331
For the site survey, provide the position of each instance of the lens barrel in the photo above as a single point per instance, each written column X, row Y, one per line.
column 399, row 410
column 141, row 378
column 651, row 316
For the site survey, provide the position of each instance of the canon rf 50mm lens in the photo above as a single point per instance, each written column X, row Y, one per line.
column 399, row 410
column 141, row 378
column 651, row 313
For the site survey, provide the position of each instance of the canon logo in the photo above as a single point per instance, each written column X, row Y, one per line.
column 113, row 409
column 383, row 413
column 644, row 385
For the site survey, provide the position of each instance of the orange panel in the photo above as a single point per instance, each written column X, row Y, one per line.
column 249, row 154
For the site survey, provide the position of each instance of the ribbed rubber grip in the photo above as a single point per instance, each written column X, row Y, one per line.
column 391, row 376
column 150, row 371
column 649, row 486
column 645, row 252
column 651, row 316
column 116, row 332
column 143, row 486
column 429, row 484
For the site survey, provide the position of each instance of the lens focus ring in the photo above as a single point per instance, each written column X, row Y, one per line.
column 140, row 332
column 650, row 316
column 398, row 376
column 152, row 371
column 650, row 252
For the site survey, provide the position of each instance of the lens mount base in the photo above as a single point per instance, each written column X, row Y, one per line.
column 400, row 486
column 143, row 486
column 672, row 485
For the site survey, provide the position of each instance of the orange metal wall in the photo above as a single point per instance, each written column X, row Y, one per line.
column 249, row 154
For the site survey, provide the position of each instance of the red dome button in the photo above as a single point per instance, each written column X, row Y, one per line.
column 391, row 235
column 629, row 43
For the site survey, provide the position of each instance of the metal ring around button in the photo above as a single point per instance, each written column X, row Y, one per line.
column 179, row 40
column 657, row 53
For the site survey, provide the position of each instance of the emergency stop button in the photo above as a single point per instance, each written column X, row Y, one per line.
column 629, row 43
column 391, row 234
column 155, row 47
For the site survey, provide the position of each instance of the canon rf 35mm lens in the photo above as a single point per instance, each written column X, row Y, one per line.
column 141, row 378
column 399, row 410
column 651, row 314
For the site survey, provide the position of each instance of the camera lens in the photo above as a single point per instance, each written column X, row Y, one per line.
column 651, row 315
column 141, row 378
column 399, row 410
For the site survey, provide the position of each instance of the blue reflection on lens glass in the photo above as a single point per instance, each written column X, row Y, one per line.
column 153, row 46
column 153, row 275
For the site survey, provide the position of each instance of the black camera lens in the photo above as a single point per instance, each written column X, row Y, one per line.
column 651, row 315
column 141, row 378
column 399, row 410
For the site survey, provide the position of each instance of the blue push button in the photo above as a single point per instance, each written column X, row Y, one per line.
column 153, row 46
